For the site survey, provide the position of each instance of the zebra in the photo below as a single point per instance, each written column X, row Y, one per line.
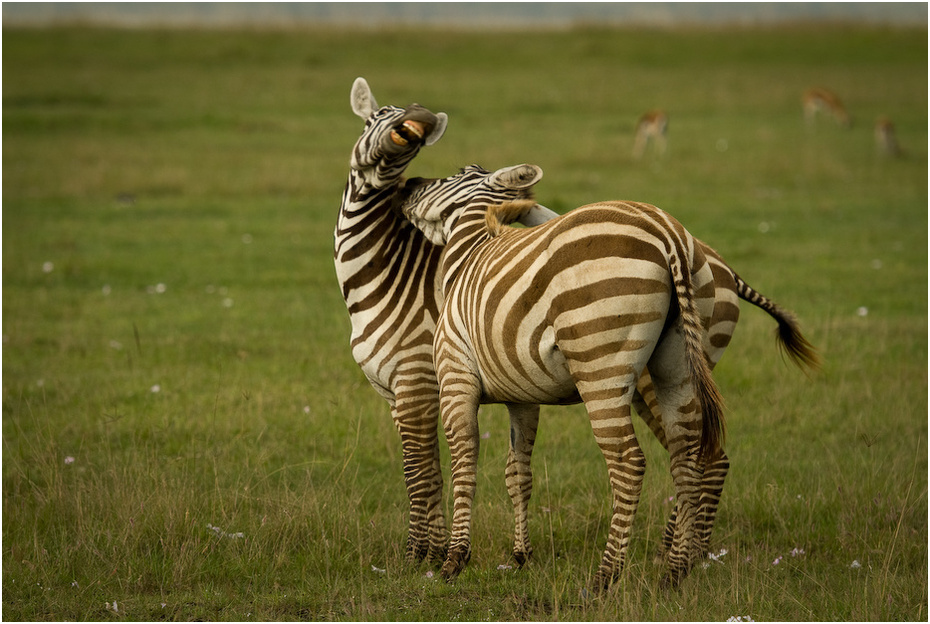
column 572, row 311
column 372, row 242
column 432, row 207
column 387, row 271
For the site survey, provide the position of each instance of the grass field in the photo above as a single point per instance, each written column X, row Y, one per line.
column 186, row 436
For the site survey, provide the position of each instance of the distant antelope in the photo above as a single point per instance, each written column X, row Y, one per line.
column 652, row 126
column 885, row 140
column 824, row 101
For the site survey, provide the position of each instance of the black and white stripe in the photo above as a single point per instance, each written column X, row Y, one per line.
column 574, row 310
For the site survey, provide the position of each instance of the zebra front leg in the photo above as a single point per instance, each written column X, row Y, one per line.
column 460, row 421
column 524, row 420
column 420, row 446
column 438, row 533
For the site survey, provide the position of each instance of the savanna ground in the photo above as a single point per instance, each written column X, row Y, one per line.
column 186, row 436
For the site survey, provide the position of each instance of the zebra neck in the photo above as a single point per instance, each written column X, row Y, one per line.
column 467, row 234
column 375, row 247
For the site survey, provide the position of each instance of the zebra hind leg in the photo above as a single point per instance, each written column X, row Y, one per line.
column 683, row 427
column 608, row 403
column 711, row 489
column 524, row 420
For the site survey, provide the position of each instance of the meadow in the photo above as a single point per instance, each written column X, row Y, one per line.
column 187, row 437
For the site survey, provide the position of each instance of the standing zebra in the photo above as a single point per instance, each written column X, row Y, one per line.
column 574, row 310
column 388, row 271
column 374, row 245
column 433, row 207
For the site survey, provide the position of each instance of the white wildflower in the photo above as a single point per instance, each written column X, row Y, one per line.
column 221, row 533
column 504, row 566
column 855, row 565
column 227, row 302
column 69, row 460
column 378, row 570
column 48, row 267
column 155, row 389
column 862, row 311
column 716, row 557
column 797, row 552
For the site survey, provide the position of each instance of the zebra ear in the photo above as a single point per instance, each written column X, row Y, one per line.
column 363, row 102
column 517, row 177
column 442, row 120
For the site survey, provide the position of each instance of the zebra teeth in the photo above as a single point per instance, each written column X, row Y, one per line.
column 415, row 128
column 398, row 140
column 409, row 131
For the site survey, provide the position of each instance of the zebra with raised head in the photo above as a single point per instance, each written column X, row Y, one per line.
column 373, row 245
column 388, row 270
column 573, row 311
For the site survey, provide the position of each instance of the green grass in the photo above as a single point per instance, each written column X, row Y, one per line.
column 212, row 163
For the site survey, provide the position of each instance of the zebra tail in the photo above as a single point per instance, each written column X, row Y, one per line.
column 713, row 428
column 788, row 334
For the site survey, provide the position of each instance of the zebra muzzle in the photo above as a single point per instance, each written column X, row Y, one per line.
column 408, row 131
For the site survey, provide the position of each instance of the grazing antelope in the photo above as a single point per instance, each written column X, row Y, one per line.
column 434, row 207
column 573, row 311
column 824, row 101
column 388, row 270
column 652, row 126
column 885, row 140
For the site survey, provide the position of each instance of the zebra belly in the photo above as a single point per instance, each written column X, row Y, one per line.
column 541, row 376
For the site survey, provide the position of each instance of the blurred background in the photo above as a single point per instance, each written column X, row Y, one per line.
column 461, row 14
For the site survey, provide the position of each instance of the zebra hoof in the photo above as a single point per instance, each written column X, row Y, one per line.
column 522, row 556
column 437, row 556
column 672, row 580
column 455, row 563
column 416, row 552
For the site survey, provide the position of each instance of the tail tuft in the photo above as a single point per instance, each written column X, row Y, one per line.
column 794, row 344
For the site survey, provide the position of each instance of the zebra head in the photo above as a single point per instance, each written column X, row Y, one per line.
column 392, row 136
column 434, row 206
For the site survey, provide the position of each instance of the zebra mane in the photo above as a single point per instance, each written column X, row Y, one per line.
column 500, row 215
column 431, row 229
